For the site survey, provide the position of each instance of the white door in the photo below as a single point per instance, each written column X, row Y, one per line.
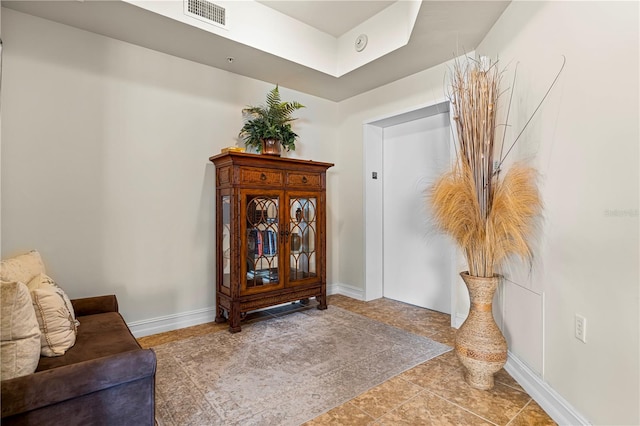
column 417, row 258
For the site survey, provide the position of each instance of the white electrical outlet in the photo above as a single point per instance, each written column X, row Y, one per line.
column 581, row 328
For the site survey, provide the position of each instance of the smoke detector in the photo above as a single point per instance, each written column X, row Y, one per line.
column 361, row 42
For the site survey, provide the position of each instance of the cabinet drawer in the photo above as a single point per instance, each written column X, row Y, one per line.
column 261, row 176
column 307, row 180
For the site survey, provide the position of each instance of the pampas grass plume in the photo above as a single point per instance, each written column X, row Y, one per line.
column 489, row 218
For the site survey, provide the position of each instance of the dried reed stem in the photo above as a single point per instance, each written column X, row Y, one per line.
column 488, row 218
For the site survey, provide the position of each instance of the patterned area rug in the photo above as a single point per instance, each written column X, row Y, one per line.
column 281, row 371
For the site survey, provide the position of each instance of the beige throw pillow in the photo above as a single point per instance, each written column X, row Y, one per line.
column 43, row 282
column 22, row 268
column 56, row 323
column 19, row 331
column 55, row 316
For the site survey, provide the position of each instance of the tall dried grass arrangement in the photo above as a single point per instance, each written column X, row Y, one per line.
column 488, row 217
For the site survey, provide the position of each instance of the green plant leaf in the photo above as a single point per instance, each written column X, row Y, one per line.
column 270, row 121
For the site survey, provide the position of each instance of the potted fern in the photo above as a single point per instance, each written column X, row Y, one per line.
column 268, row 127
column 490, row 217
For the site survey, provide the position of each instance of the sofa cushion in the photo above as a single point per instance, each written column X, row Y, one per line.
column 22, row 268
column 19, row 331
column 99, row 335
column 56, row 323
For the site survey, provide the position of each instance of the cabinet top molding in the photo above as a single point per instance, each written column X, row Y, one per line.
column 243, row 158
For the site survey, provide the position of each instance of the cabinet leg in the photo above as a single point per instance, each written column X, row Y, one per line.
column 234, row 319
column 322, row 302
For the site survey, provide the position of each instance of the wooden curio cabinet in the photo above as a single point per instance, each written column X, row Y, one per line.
column 270, row 225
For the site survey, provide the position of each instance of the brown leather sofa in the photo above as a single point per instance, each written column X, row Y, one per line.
column 106, row 378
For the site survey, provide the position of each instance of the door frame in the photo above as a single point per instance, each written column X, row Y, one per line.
column 372, row 141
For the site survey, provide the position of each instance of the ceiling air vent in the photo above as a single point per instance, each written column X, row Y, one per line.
column 206, row 11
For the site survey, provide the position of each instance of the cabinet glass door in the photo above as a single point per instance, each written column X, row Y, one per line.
column 226, row 240
column 303, row 246
column 262, row 217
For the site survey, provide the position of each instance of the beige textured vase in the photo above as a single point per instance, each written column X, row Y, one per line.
column 480, row 345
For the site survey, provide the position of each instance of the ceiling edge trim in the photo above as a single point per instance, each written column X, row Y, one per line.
column 261, row 27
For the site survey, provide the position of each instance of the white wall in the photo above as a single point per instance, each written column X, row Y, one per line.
column 417, row 90
column 0, row 140
column 105, row 169
column 584, row 141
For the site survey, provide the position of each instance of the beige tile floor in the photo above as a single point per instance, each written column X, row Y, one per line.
column 432, row 393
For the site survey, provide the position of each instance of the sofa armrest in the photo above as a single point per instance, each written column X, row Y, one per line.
column 44, row 388
column 95, row 305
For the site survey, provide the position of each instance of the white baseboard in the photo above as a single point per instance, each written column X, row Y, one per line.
column 200, row 316
column 555, row 405
column 345, row 290
column 172, row 322
column 458, row 320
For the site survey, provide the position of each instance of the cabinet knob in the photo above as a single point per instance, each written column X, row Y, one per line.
column 304, row 179
column 263, row 176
